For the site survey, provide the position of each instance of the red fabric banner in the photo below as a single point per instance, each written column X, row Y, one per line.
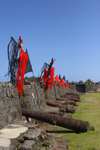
column 52, row 77
column 66, row 85
column 40, row 79
column 69, row 85
column 21, row 69
column 57, row 78
column 61, row 83
column 45, row 76
column 48, row 80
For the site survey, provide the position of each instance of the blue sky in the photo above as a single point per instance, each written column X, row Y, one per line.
column 68, row 30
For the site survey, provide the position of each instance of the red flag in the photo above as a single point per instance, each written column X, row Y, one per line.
column 66, row 85
column 45, row 76
column 69, row 85
column 62, row 82
column 48, row 80
column 21, row 69
column 51, row 77
column 57, row 78
column 40, row 79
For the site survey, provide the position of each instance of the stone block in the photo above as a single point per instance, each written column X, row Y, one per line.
column 0, row 85
column 27, row 145
column 2, row 106
column 32, row 134
column 1, row 92
column 5, row 100
column 4, row 84
column 3, row 122
column 12, row 92
column 57, row 91
column 9, row 102
column 10, row 85
column 9, row 118
column 4, row 113
column 4, row 92
column 8, row 93
column 15, row 101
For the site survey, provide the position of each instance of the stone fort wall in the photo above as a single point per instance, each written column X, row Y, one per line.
column 10, row 108
column 34, row 99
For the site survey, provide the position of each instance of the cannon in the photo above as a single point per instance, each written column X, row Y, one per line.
column 68, row 109
column 70, row 102
column 71, row 97
column 73, row 94
column 69, row 123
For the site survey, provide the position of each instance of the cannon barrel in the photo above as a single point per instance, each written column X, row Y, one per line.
column 72, row 94
column 67, row 101
column 69, row 123
column 68, row 109
column 71, row 98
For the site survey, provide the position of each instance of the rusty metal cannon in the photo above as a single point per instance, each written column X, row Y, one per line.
column 70, row 123
column 70, row 102
column 68, row 109
column 71, row 97
column 73, row 94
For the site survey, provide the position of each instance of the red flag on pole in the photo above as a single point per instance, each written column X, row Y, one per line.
column 21, row 69
column 57, row 78
column 62, row 82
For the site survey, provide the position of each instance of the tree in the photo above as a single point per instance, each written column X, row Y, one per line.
column 88, row 81
column 81, row 82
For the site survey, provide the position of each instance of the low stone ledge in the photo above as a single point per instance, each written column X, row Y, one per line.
column 28, row 144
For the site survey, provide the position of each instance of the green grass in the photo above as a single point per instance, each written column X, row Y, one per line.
column 88, row 110
column 95, row 96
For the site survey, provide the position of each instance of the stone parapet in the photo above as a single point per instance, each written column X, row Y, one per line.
column 10, row 109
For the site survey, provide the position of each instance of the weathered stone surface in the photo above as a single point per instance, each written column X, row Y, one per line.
column 4, row 113
column 1, row 104
column 1, row 92
column 34, row 99
column 5, row 100
column 8, row 93
column 10, row 108
column 41, row 96
column 3, row 122
column 3, row 84
column 50, row 95
column 12, row 92
column 14, row 144
column 4, row 92
column 4, row 148
column 58, row 91
column 4, row 143
column 28, row 144
column 9, row 102
column 32, row 134
column 9, row 118
column 73, row 88
column 10, row 85
column 60, row 146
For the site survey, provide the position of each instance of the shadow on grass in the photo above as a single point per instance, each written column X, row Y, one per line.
column 62, row 131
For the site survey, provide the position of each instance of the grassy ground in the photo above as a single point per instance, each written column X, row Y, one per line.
column 88, row 110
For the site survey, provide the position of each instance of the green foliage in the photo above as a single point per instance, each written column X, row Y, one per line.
column 81, row 82
column 88, row 81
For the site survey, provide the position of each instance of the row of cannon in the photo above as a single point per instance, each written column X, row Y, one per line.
column 69, row 100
